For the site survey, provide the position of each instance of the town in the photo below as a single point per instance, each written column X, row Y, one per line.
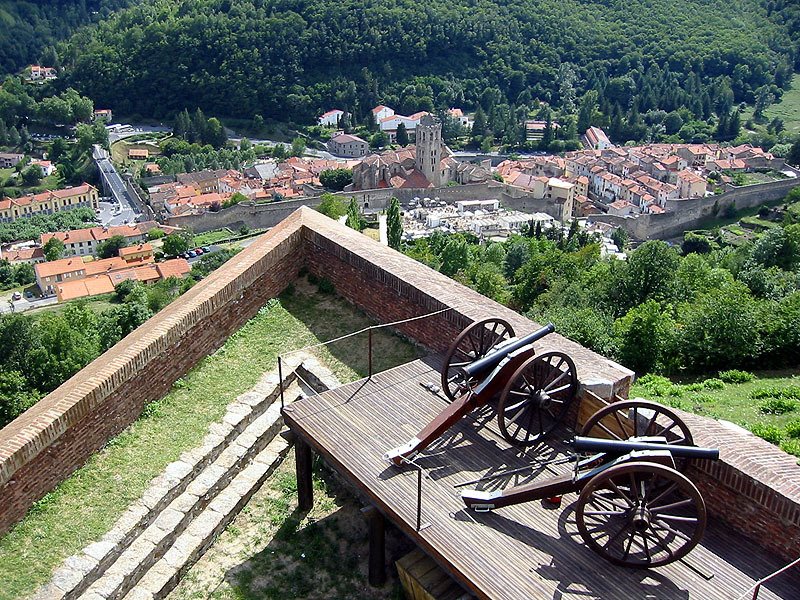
column 603, row 186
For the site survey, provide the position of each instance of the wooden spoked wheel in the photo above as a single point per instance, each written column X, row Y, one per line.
column 470, row 345
column 636, row 418
column 641, row 515
column 537, row 398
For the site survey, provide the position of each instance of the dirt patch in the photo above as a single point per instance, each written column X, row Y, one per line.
column 272, row 550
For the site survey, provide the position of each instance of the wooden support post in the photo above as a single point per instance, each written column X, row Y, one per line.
column 305, row 489
column 377, row 545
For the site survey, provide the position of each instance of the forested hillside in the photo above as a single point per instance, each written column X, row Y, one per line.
column 27, row 28
column 292, row 58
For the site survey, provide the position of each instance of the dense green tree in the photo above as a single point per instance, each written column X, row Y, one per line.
column 32, row 175
column 111, row 246
column 402, row 135
column 176, row 243
column 394, row 224
column 298, row 146
column 332, row 206
column 645, row 338
column 354, row 218
column 793, row 156
column 455, row 255
column 53, row 249
column 336, row 179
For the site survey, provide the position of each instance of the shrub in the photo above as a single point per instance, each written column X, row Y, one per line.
column 701, row 398
column 713, row 384
column 793, row 429
column 659, row 386
column 789, row 392
column 694, row 387
column 736, row 376
column 767, row 432
column 791, row 447
column 777, row 406
column 326, row 286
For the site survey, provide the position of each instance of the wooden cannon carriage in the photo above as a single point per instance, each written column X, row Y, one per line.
column 486, row 360
column 635, row 506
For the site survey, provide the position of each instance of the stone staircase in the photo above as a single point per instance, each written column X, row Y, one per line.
column 177, row 519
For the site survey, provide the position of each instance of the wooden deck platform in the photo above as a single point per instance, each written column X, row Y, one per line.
column 527, row 551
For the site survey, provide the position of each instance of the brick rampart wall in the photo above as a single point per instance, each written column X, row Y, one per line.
column 754, row 486
column 47, row 443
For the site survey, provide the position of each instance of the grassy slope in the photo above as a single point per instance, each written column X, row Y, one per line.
column 788, row 110
column 733, row 403
column 86, row 505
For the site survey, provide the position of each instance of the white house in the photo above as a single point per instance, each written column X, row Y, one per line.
column 389, row 124
column 380, row 112
column 331, row 118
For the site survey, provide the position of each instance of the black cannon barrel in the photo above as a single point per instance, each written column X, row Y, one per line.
column 587, row 444
column 491, row 360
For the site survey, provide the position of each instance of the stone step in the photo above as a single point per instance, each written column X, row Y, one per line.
column 111, row 567
column 193, row 542
column 214, row 480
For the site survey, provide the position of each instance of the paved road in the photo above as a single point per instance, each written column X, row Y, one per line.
column 17, row 306
column 116, row 186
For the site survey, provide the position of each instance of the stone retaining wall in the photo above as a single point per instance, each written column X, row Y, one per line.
column 690, row 214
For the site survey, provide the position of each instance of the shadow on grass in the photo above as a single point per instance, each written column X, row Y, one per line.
column 325, row 558
column 328, row 316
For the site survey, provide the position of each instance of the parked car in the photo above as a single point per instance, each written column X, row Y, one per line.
column 191, row 254
column 16, row 296
column 29, row 295
column 198, row 251
column 206, row 249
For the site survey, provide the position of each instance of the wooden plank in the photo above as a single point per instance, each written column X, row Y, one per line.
column 525, row 551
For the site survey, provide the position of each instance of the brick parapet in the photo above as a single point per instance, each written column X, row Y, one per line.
column 754, row 486
column 45, row 444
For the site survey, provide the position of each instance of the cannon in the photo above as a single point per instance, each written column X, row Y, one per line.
column 635, row 507
column 485, row 360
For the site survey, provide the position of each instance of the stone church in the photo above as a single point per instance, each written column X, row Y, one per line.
column 429, row 163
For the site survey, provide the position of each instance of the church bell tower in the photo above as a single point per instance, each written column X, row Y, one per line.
column 429, row 149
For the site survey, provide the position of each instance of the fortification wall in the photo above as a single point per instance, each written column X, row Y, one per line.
column 690, row 214
column 264, row 216
column 48, row 442
column 753, row 487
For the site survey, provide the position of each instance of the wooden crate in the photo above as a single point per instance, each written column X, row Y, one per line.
column 422, row 579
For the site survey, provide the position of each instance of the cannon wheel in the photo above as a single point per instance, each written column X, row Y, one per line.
column 470, row 345
column 641, row 515
column 537, row 398
column 633, row 418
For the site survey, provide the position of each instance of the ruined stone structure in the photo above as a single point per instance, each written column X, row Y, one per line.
column 753, row 486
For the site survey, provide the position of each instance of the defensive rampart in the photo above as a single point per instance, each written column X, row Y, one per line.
column 47, row 443
column 264, row 216
column 690, row 214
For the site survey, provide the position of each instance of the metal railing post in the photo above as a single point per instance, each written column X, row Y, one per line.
column 280, row 379
column 370, row 353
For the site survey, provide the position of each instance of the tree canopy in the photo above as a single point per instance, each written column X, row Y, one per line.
column 700, row 55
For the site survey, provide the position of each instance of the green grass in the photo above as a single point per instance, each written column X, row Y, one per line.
column 212, row 237
column 86, row 505
column 788, row 110
column 50, row 182
column 274, row 551
column 97, row 303
column 770, row 416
